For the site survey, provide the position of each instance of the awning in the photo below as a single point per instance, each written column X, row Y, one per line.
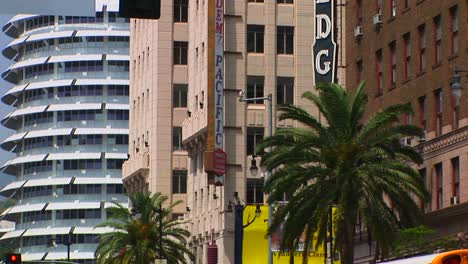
column 14, row 137
column 102, row 82
column 117, row 57
column 116, row 156
column 117, row 106
column 20, row 17
column 14, row 185
column 17, row 41
column 29, row 62
column 47, row 84
column 100, row 180
column 97, row 131
column 29, row 110
column 73, row 255
column 47, row 231
column 16, row 89
column 74, row 156
column 78, row 57
column 48, row 181
column 102, row 33
column 26, row 208
column 49, row 133
column 67, row 107
column 32, row 256
column 109, row 205
column 73, row 205
column 50, row 35
column 28, row 158
column 13, row 234
column 92, row 230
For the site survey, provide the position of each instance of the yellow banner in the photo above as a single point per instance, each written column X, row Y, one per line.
column 255, row 244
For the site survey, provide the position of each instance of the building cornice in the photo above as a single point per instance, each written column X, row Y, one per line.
column 444, row 143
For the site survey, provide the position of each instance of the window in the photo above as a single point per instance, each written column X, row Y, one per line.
column 378, row 6
column 179, row 181
column 177, row 138
column 456, row 177
column 422, row 112
column 179, row 95
column 379, row 74
column 180, row 52
column 285, row 1
column 284, row 40
column 181, row 11
column 454, row 30
column 82, row 164
column 406, row 55
column 255, row 1
column 439, row 185
column 78, row 214
column 117, row 114
column 89, row 139
column 285, row 90
column 254, row 136
column 359, row 72
column 37, row 167
column 115, row 189
column 422, row 173
column 359, row 12
column 255, row 191
column 422, row 47
column 393, row 60
column 36, row 191
column 255, row 34
column 438, row 111
column 392, row 8
column 114, row 164
column 255, row 88
column 117, row 90
column 437, row 40
column 406, row 3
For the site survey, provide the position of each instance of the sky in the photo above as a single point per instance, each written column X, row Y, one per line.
column 4, row 109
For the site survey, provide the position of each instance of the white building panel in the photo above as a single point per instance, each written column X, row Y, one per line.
column 28, row 158
column 48, row 181
column 32, row 256
column 97, row 131
column 67, row 107
column 102, row 33
column 78, row 57
column 74, row 156
column 26, row 208
column 17, row 41
column 117, row 106
column 50, row 35
column 29, row 110
column 92, row 230
column 29, row 62
column 14, row 185
column 83, row 180
column 116, row 156
column 47, row 231
column 16, row 89
column 102, row 82
column 14, row 137
column 117, row 57
column 13, row 234
column 49, row 132
column 54, row 83
column 73, row 205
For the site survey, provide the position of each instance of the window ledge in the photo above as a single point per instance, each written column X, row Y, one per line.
column 453, row 56
column 390, row 19
column 286, row 54
column 436, row 65
column 406, row 80
column 420, row 73
column 378, row 94
column 392, row 86
column 255, row 53
column 419, row 2
column 256, row 106
column 405, row 10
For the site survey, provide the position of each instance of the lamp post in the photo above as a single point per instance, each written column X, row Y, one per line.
column 254, row 168
column 67, row 242
column 136, row 214
column 456, row 85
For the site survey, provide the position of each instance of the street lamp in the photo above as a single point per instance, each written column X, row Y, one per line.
column 67, row 242
column 136, row 214
column 253, row 167
column 456, row 85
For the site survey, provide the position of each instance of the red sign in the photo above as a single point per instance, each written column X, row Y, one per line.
column 219, row 162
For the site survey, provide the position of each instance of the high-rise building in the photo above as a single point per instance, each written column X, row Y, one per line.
column 267, row 50
column 407, row 52
column 70, row 120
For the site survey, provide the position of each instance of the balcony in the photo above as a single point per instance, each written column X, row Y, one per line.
column 194, row 125
column 136, row 169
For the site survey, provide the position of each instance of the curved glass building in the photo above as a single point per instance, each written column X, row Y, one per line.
column 69, row 91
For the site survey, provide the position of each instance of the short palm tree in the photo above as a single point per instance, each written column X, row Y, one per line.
column 136, row 234
column 357, row 166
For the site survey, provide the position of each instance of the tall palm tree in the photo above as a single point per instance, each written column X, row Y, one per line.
column 136, row 234
column 357, row 166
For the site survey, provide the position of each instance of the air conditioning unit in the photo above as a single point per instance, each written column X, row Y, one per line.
column 406, row 141
column 454, row 200
column 377, row 19
column 358, row 31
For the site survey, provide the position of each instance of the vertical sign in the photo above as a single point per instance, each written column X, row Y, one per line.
column 324, row 46
column 219, row 73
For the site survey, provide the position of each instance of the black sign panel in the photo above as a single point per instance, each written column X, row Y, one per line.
column 324, row 48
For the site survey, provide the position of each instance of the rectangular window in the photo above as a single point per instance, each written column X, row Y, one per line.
column 254, row 136
column 359, row 72
column 454, row 30
column 284, row 40
column 406, row 3
column 255, row 1
column 422, row 173
column 437, row 39
column 179, row 95
column 285, row 90
column 255, row 35
column 406, row 55
column 359, row 12
column 255, row 191
column 456, row 177
column 393, row 60
column 422, row 112
column 392, row 8
column 179, row 181
column 378, row 4
column 181, row 11
column 439, row 185
column 378, row 74
column 180, row 52
column 177, row 138
column 438, row 111
column 422, row 47
column 255, row 88
column 285, row 1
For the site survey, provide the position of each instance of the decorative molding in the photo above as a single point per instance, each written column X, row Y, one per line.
column 450, row 140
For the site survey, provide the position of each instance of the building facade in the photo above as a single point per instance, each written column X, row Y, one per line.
column 407, row 52
column 267, row 50
column 70, row 120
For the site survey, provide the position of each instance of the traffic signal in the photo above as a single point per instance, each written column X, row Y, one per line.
column 149, row 9
column 13, row 258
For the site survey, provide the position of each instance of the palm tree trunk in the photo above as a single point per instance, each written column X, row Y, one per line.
column 347, row 245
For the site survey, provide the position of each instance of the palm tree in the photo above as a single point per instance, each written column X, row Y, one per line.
column 359, row 167
column 136, row 234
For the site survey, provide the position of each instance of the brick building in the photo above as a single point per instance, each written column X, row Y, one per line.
column 407, row 51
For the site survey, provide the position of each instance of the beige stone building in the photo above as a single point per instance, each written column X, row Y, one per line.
column 267, row 50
